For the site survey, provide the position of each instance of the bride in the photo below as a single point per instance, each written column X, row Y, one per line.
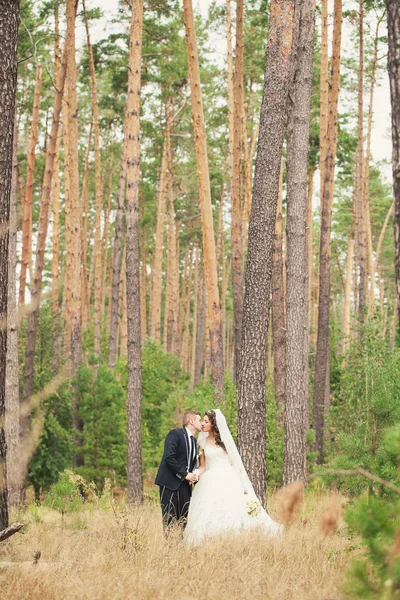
column 224, row 499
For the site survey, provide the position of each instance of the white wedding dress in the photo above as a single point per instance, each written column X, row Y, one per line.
column 219, row 503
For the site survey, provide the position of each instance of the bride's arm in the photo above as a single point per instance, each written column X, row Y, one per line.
column 202, row 463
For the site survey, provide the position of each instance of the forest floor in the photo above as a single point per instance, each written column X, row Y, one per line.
column 122, row 554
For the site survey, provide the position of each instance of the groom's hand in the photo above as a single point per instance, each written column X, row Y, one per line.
column 191, row 478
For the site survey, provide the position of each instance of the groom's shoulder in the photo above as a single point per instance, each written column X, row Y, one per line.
column 176, row 431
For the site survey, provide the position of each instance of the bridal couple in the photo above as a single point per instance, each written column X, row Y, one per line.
column 203, row 483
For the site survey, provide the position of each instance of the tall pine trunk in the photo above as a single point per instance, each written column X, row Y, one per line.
column 134, row 400
column 393, row 20
column 155, row 323
column 117, row 257
column 359, row 176
column 73, row 222
column 98, row 187
column 252, row 400
column 237, row 248
column 209, row 254
column 26, row 258
column 9, row 18
column 12, row 383
column 296, row 397
column 36, row 288
column 322, row 354
column 278, row 312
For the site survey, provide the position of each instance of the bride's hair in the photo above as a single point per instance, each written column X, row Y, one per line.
column 213, row 420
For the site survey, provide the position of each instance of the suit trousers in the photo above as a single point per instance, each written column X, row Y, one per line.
column 175, row 504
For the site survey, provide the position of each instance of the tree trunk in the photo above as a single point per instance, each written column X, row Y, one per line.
column 134, row 400
column 371, row 271
column 36, row 288
column 321, row 361
column 85, row 219
column 210, row 262
column 252, row 401
column 382, row 237
column 98, row 186
column 117, row 256
column 26, row 259
column 237, row 249
column 143, row 277
column 347, row 292
column 172, row 265
column 296, row 397
column 201, row 326
column 73, row 220
column 359, row 178
column 123, row 323
column 324, row 93
column 393, row 19
column 12, row 383
column 9, row 18
column 104, row 245
column 278, row 312
column 195, row 316
column 155, row 324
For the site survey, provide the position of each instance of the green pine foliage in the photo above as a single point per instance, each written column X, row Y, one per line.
column 366, row 406
column 376, row 520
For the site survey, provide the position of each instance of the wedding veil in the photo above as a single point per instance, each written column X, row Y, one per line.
column 232, row 451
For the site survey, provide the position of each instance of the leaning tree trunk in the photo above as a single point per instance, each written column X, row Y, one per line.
column 73, row 221
column 12, row 384
column 393, row 18
column 209, row 254
column 237, row 238
column 252, row 400
column 134, row 400
column 322, row 355
column 9, row 15
column 296, row 396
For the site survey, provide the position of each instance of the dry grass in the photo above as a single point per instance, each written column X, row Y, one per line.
column 97, row 555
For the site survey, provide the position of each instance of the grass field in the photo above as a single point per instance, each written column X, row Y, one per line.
column 121, row 554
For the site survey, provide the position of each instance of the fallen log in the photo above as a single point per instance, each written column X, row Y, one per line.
column 14, row 528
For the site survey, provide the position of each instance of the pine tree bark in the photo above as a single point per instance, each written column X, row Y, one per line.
column 209, row 254
column 393, row 20
column 201, row 327
column 172, row 264
column 134, row 400
column 84, row 242
column 252, row 400
column 12, row 382
column 322, row 354
column 323, row 90
column 155, row 325
column 9, row 18
column 359, row 176
column 117, row 257
column 98, row 187
column 296, row 396
column 237, row 248
column 347, row 293
column 73, row 221
column 36, row 289
column 26, row 258
column 278, row 312
column 143, row 276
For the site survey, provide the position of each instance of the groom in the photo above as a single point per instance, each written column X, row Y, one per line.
column 175, row 475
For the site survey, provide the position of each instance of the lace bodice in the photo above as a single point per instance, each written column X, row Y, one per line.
column 215, row 457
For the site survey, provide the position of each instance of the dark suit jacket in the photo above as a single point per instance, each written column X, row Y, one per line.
column 173, row 467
